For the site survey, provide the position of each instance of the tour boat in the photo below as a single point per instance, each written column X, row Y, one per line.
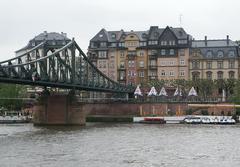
column 192, row 120
column 14, row 119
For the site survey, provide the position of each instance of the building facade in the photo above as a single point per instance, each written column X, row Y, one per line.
column 214, row 59
column 136, row 57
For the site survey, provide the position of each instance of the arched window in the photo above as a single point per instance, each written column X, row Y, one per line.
column 231, row 53
column 209, row 53
column 209, row 75
column 195, row 75
column 220, row 53
column 219, row 75
column 231, row 74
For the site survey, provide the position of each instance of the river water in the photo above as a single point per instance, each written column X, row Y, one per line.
column 120, row 145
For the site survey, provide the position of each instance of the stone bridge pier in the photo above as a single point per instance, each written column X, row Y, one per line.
column 58, row 110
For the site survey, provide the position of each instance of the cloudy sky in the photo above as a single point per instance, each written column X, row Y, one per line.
column 21, row 20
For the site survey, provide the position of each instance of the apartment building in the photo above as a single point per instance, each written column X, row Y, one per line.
column 214, row 59
column 141, row 56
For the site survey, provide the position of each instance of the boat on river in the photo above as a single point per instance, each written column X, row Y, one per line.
column 209, row 120
column 151, row 120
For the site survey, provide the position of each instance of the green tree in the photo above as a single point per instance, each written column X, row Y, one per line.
column 9, row 94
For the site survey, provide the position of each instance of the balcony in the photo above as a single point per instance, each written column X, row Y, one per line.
column 121, row 67
column 152, row 66
column 132, row 55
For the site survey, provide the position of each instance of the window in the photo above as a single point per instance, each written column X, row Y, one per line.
column 171, row 63
column 182, row 73
column 93, row 44
column 143, row 44
column 122, row 75
column 153, row 52
column 102, row 54
column 171, row 43
column 231, row 53
column 231, row 74
column 141, row 64
column 231, row 64
column 220, row 53
column 209, row 54
column 141, row 54
column 182, row 41
column 209, row 65
column 181, row 52
column 103, row 44
column 131, row 63
column 141, row 74
column 220, row 64
column 121, row 44
column 163, row 73
column 171, row 51
column 163, row 52
column 122, row 64
column 219, row 75
column 113, row 36
column 100, row 35
column 152, row 42
column 122, row 54
column 113, row 45
column 163, row 43
column 195, row 75
column 131, row 73
column 153, row 63
column 182, row 62
column 195, row 64
column 171, row 73
column 209, row 75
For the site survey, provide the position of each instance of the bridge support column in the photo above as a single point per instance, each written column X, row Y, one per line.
column 58, row 110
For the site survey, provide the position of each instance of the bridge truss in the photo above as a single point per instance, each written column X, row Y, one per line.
column 66, row 68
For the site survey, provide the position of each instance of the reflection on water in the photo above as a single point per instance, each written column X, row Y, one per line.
column 120, row 145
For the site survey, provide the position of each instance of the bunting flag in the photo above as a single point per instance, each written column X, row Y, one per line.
column 192, row 92
column 163, row 92
column 152, row 92
column 138, row 91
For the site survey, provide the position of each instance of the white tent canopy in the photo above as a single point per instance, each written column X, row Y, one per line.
column 192, row 92
column 138, row 91
column 163, row 92
column 178, row 92
column 152, row 92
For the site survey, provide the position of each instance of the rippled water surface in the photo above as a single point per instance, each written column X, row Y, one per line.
column 120, row 145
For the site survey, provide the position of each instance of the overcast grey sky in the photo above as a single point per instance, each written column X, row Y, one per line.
column 21, row 20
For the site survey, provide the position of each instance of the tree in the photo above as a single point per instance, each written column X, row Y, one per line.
column 9, row 94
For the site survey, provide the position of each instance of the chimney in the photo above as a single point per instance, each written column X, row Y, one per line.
column 227, row 39
column 45, row 33
column 205, row 40
column 64, row 34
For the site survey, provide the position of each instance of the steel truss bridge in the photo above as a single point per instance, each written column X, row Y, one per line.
column 67, row 68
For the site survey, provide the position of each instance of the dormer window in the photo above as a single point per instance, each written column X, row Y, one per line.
column 152, row 42
column 209, row 54
column 220, row 53
column 33, row 43
column 231, row 53
column 113, row 36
